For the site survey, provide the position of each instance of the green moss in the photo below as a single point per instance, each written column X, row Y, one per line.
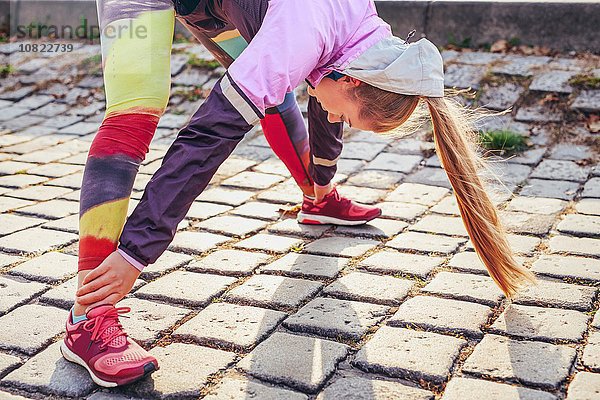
column 5, row 70
column 585, row 81
column 465, row 43
column 197, row 62
column 503, row 141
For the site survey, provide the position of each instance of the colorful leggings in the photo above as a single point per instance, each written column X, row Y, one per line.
column 136, row 46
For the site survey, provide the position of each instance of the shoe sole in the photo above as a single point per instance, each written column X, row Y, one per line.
column 311, row 219
column 74, row 358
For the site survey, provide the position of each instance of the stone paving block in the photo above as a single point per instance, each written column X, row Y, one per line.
column 196, row 242
column 529, row 157
column 580, row 225
column 50, row 110
column 572, row 245
column 587, row 101
column 591, row 188
column 376, row 229
column 358, row 150
column 588, row 206
column 376, row 179
column 225, row 196
column 540, row 323
column 7, row 363
column 571, row 152
column 40, row 193
column 14, row 167
column 370, row 288
column 519, row 65
column 167, row 262
column 284, row 193
column 161, row 316
column 561, row 170
column 538, row 113
column 442, row 315
column 21, row 181
column 314, row 361
column 536, row 205
column 258, row 210
column 361, row 194
column 425, row 242
column 50, row 267
column 471, row 389
column 229, row 262
column 564, row 190
column 405, row 211
column 271, row 243
column 363, row 388
column 44, row 324
column 11, row 223
column 591, row 352
column 45, row 240
column 469, row 261
column 202, row 210
column 587, row 269
column 14, row 292
column 292, row 227
column 185, row 370
column 231, row 325
column 468, row 287
column 231, row 225
column 231, row 388
column 430, row 176
column 441, row 224
column 464, row 76
column 253, row 180
column 585, row 386
column 349, row 167
column 409, row 354
column 62, row 295
column 500, row 97
column 53, row 209
column 520, row 222
column 341, row 246
column 447, row 206
column 393, row 262
column 274, row 291
column 49, row 373
column 552, row 81
column 417, row 193
column 532, row 363
column 7, row 260
column 67, row 224
column 394, row 162
column 185, row 287
column 307, row 266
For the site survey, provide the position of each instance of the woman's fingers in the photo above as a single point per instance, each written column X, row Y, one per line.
column 96, row 284
column 96, row 272
column 111, row 299
column 96, row 295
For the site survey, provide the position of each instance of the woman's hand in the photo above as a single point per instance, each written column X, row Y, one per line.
column 322, row 191
column 108, row 283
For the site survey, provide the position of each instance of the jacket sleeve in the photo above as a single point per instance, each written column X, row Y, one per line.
column 200, row 148
column 326, row 142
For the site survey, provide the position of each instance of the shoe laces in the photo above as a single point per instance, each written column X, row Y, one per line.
column 106, row 328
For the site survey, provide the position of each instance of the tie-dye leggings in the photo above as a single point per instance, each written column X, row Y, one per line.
column 136, row 46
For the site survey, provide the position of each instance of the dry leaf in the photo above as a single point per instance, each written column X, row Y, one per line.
column 499, row 46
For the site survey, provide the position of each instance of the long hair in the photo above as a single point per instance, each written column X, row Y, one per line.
column 455, row 143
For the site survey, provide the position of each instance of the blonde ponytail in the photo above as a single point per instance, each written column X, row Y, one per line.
column 454, row 143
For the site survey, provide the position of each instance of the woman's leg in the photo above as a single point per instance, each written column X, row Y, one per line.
column 283, row 126
column 136, row 45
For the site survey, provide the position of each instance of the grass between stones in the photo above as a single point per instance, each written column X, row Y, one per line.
column 503, row 141
column 585, row 81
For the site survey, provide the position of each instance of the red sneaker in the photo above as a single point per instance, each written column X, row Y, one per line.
column 101, row 346
column 337, row 210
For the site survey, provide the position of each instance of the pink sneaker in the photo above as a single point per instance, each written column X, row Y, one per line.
column 101, row 346
column 337, row 210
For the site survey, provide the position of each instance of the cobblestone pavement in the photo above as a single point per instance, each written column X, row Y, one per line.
column 247, row 304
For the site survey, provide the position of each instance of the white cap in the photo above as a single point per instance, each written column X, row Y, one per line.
column 405, row 68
